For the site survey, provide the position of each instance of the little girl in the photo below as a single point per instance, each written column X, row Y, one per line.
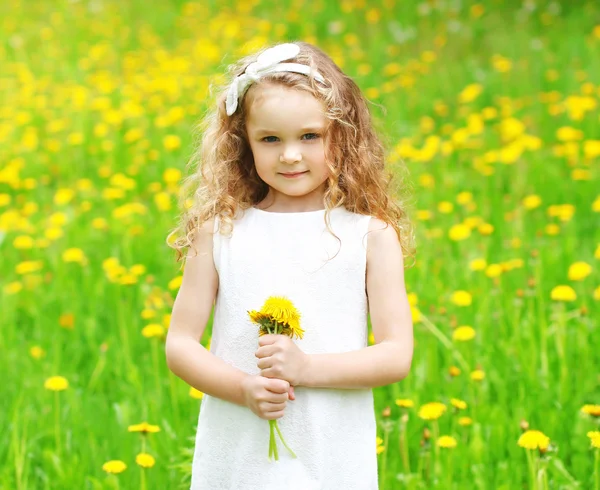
column 290, row 199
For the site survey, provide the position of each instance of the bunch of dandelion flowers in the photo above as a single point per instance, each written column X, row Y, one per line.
column 277, row 316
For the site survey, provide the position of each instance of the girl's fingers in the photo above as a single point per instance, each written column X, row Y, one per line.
column 292, row 394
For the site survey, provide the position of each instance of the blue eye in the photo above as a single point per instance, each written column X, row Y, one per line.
column 316, row 136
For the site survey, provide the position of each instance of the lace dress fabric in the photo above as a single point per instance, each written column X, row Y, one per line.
column 332, row 431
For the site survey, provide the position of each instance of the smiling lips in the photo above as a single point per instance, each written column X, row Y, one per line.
column 295, row 174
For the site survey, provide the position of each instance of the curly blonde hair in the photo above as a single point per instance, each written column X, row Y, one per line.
column 223, row 178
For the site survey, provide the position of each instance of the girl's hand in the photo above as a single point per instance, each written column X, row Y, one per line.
column 267, row 398
column 279, row 357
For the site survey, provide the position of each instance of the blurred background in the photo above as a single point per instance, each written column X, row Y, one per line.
column 492, row 106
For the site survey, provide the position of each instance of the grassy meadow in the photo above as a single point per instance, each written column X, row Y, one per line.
column 492, row 106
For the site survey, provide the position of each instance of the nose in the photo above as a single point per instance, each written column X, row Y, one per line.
column 291, row 154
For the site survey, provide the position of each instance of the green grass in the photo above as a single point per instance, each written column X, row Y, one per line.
column 106, row 68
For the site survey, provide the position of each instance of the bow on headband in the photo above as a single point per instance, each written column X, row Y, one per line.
column 267, row 62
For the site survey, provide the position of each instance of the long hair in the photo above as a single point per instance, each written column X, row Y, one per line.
column 223, row 179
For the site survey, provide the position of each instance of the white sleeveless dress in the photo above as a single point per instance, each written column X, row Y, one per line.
column 332, row 431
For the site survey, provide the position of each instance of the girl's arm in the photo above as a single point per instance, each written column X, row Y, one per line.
column 186, row 357
column 390, row 359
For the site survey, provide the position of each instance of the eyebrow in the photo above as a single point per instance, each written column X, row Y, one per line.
column 270, row 131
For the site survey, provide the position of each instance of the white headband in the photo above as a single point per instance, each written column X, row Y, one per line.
column 268, row 62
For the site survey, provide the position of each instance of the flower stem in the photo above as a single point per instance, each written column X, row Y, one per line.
column 57, row 423
column 283, row 440
column 531, row 465
column 597, row 469
column 404, row 447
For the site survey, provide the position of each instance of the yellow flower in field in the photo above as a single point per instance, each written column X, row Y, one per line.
column 445, row 207
column 413, row 299
column 597, row 294
column 465, row 421
column 148, row 313
column 172, row 175
column 596, row 205
column 162, row 201
column 454, row 371
column 579, row 271
column 446, row 442
column 532, row 201
column 486, row 229
column 23, row 242
column 431, row 411
column 175, row 283
column 12, row 287
column 459, row 404
column 493, row 270
column 145, row 460
column 501, row 64
column 4, row 200
column 477, row 375
column 29, row 266
column 171, row 142
column 153, row 330
column 405, row 403
column 563, row 293
column 138, row 269
column 534, row 439
column 552, row 229
column 197, row 394
column 380, row 447
column 144, row 428
column 477, row 264
column 594, row 436
column 56, row 383
column 459, row 232
column 63, row 196
column 67, row 320
column 74, row 255
column 597, row 252
column 567, row 133
column 37, row 352
column 470, row 93
column 128, row 279
column 593, row 410
column 416, row 314
column 114, row 466
column 463, row 198
column 461, row 298
column 463, row 333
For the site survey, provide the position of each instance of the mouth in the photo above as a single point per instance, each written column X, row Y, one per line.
column 294, row 174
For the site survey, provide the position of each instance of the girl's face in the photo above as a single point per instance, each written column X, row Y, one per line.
column 285, row 131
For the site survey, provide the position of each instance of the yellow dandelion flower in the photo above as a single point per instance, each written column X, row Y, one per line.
column 145, row 460
column 460, row 404
column 596, row 294
column 461, row 298
column 431, row 411
column 74, row 255
column 534, row 439
column 463, row 333
column 280, row 310
column 197, row 394
column 153, row 330
column 563, row 293
column 454, row 371
column 175, row 283
column 37, row 352
column 67, row 320
column 459, row 232
column 532, row 201
column 405, row 403
column 446, row 442
column 593, row 410
column 477, row 375
column 465, row 421
column 493, row 270
column 380, row 447
column 579, row 271
column 114, row 466
column 477, row 264
column 594, row 438
column 56, row 383
column 29, row 266
column 144, row 428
